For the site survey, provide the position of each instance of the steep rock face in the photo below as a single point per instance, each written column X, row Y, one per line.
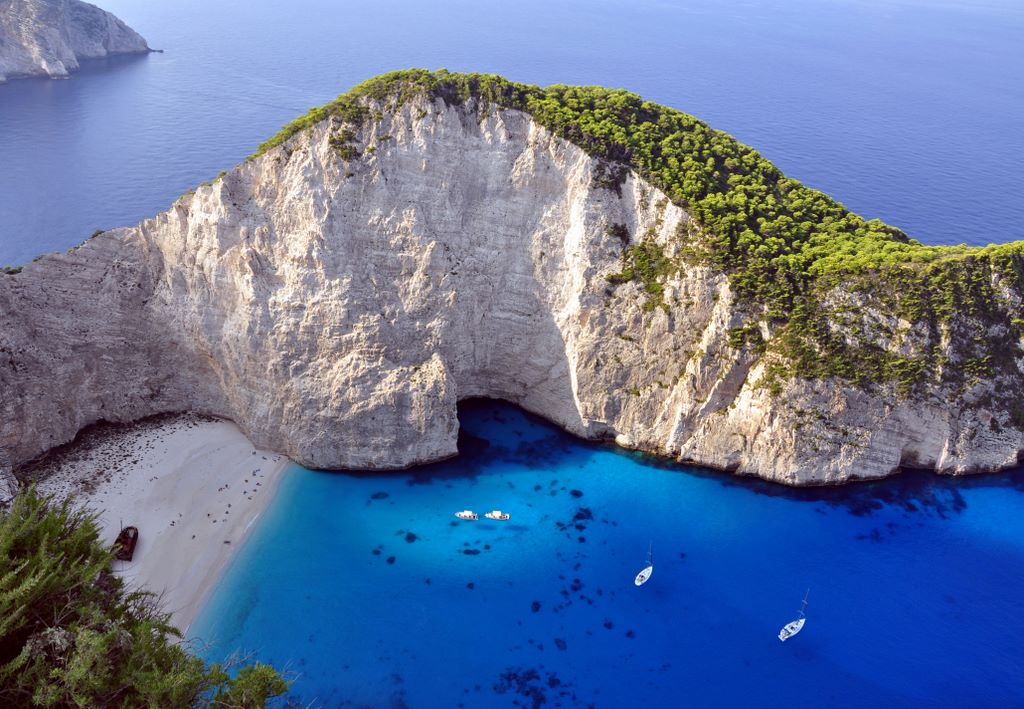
column 336, row 297
column 49, row 37
column 8, row 483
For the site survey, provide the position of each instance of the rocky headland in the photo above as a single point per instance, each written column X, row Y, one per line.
column 612, row 265
column 50, row 37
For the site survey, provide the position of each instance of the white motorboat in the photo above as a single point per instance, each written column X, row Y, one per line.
column 468, row 515
column 645, row 573
column 792, row 628
column 498, row 515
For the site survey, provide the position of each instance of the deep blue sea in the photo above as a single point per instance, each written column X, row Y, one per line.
column 907, row 110
column 373, row 594
column 367, row 588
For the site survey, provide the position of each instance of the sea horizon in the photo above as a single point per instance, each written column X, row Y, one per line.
column 895, row 109
column 338, row 317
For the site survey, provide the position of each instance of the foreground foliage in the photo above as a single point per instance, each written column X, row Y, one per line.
column 72, row 634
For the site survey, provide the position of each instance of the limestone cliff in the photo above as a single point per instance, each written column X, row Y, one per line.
column 49, row 37
column 339, row 294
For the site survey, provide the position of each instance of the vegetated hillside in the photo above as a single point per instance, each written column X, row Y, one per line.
column 786, row 248
column 613, row 265
column 73, row 635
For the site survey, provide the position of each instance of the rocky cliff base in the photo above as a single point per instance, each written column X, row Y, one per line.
column 337, row 296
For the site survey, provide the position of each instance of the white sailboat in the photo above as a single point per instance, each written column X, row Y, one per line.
column 794, row 627
column 645, row 573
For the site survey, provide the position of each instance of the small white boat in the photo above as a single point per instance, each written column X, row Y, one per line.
column 467, row 514
column 498, row 515
column 645, row 573
column 792, row 628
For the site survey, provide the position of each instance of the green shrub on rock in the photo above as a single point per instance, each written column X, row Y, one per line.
column 783, row 246
column 73, row 635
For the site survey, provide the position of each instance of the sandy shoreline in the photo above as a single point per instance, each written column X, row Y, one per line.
column 192, row 485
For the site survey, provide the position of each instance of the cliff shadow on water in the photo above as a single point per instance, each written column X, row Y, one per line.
column 113, row 64
column 400, row 592
column 106, row 72
column 912, row 491
column 494, row 431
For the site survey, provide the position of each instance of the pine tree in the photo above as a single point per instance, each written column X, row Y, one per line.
column 72, row 634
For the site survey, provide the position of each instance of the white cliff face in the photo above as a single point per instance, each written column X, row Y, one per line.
column 8, row 483
column 49, row 37
column 338, row 310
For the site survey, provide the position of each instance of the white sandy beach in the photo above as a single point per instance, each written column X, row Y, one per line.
column 193, row 486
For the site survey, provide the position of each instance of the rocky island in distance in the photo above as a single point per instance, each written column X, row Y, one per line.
column 50, row 37
column 612, row 265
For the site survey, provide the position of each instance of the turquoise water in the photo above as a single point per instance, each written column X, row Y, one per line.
column 906, row 110
column 373, row 594
column 368, row 588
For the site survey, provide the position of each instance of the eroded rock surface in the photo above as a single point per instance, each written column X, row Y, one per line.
column 49, row 37
column 338, row 303
column 8, row 483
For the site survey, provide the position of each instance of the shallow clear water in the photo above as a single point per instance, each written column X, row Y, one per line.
column 370, row 590
column 907, row 110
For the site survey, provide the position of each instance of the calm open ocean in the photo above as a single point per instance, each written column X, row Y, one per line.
column 907, row 110
column 368, row 588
